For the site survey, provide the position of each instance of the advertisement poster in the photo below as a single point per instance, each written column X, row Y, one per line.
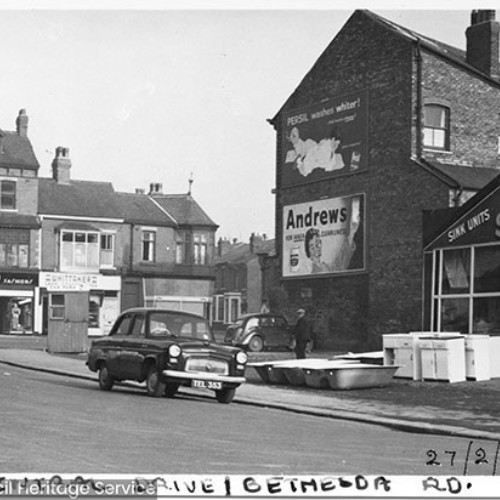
column 323, row 236
column 324, row 140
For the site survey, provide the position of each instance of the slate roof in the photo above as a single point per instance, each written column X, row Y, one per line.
column 449, row 52
column 184, row 209
column 141, row 209
column 14, row 220
column 444, row 50
column 461, row 176
column 17, row 151
column 239, row 253
column 77, row 199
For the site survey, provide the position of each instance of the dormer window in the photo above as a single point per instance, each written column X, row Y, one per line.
column 436, row 127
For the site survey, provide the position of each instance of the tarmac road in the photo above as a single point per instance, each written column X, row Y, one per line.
column 54, row 423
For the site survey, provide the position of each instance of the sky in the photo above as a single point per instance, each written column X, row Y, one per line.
column 164, row 91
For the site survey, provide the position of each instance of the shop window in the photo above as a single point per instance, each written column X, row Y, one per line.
column 455, row 315
column 148, row 246
column 94, row 310
column 436, row 127
column 486, row 315
column 487, row 269
column 107, row 250
column 218, row 308
column 57, row 306
column 79, row 250
column 456, row 271
column 7, row 195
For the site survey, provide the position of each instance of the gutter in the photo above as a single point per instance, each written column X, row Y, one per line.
column 418, row 58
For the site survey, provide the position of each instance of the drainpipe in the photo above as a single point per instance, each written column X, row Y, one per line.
column 418, row 58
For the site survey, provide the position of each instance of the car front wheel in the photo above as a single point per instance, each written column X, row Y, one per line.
column 225, row 395
column 256, row 344
column 154, row 386
column 106, row 381
column 171, row 390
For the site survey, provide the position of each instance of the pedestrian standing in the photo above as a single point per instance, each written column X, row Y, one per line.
column 302, row 334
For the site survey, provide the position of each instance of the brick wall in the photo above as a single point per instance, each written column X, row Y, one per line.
column 26, row 195
column 474, row 115
column 353, row 311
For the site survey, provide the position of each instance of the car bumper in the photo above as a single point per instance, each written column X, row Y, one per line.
column 212, row 377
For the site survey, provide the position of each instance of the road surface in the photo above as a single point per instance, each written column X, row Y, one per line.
column 58, row 424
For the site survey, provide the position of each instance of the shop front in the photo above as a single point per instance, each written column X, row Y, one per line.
column 192, row 296
column 77, row 306
column 17, row 296
column 462, row 269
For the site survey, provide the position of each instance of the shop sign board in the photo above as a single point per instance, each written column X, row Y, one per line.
column 18, row 279
column 481, row 224
column 325, row 139
column 67, row 282
column 324, row 236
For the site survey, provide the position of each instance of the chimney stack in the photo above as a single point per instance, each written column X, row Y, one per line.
column 155, row 188
column 22, row 123
column 61, row 166
column 483, row 37
column 223, row 246
column 140, row 191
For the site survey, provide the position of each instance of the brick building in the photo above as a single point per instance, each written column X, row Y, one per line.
column 73, row 253
column 239, row 285
column 387, row 123
column 19, row 229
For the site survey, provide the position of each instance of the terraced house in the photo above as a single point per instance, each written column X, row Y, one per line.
column 78, row 252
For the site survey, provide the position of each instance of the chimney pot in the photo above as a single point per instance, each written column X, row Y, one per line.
column 155, row 188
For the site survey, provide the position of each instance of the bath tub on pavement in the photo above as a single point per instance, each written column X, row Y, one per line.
column 286, row 371
column 349, row 376
column 295, row 374
column 370, row 358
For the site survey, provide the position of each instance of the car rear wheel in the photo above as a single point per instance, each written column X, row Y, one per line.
column 256, row 344
column 154, row 386
column 106, row 381
column 171, row 390
column 225, row 395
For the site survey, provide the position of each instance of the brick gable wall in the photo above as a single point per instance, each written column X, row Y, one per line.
column 352, row 311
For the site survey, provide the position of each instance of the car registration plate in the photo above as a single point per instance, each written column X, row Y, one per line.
column 206, row 384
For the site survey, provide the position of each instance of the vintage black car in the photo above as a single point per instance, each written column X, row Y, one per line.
column 166, row 349
column 256, row 332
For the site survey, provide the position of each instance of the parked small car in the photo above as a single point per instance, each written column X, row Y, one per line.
column 256, row 332
column 166, row 349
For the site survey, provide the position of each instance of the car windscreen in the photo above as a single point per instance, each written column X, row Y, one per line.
column 169, row 324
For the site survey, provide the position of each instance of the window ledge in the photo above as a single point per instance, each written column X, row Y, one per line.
column 435, row 150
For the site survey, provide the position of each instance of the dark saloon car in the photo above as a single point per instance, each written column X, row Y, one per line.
column 166, row 349
column 259, row 331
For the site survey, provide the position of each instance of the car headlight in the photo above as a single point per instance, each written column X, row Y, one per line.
column 174, row 351
column 241, row 357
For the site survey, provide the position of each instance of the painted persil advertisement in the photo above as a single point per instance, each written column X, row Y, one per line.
column 323, row 236
column 326, row 139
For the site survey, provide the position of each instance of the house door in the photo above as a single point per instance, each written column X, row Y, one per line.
column 68, row 322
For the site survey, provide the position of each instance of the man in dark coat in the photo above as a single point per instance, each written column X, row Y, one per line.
column 302, row 334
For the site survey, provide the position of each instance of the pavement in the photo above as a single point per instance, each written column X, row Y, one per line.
column 466, row 409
